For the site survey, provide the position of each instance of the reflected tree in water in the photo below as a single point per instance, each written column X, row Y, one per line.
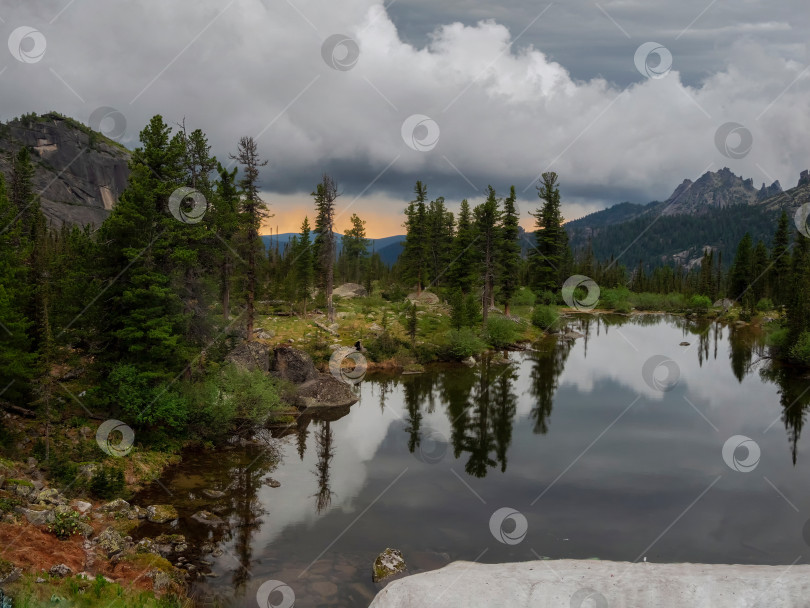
column 549, row 361
column 482, row 406
column 323, row 443
column 417, row 389
column 794, row 398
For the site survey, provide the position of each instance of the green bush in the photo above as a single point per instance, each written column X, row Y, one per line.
column 778, row 338
column 463, row 343
column 145, row 399
column 616, row 298
column 700, row 303
column 465, row 310
column 65, row 525
column 525, row 297
column 764, row 305
column 383, row 346
column 234, row 395
column 546, row 298
column 800, row 351
column 545, row 317
column 669, row 302
column 393, row 292
column 501, row 332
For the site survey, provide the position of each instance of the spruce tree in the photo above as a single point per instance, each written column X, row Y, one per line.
column 487, row 222
column 464, row 267
column 780, row 260
column 303, row 265
column 509, row 251
column 547, row 259
column 741, row 269
column 253, row 211
column 355, row 248
column 414, row 259
column 325, row 194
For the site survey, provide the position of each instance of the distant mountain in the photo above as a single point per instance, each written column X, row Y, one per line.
column 389, row 247
column 78, row 172
column 714, row 212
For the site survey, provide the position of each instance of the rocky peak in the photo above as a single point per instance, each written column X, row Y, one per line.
column 767, row 192
column 78, row 173
column 712, row 189
column 804, row 178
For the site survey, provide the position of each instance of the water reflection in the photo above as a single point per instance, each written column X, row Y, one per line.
column 360, row 480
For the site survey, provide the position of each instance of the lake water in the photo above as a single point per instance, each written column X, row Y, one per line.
column 610, row 447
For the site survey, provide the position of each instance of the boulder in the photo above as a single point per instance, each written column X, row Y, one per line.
column 81, row 506
column 724, row 303
column 293, row 365
column 350, row 290
column 388, row 563
column 469, row 362
column 426, row 297
column 578, row 583
column 50, row 496
column 160, row 514
column 9, row 572
column 324, row 391
column 115, row 506
column 111, row 542
column 263, row 334
column 376, row 328
column 250, row 356
column 215, row 494
column 39, row 515
column 60, row 571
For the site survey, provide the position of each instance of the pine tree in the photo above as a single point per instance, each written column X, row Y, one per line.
column 303, row 265
column 225, row 218
column 759, row 267
column 741, row 269
column 254, row 211
column 355, row 248
column 487, row 220
column 547, row 259
column 509, row 251
column 414, row 259
column 780, row 260
column 326, row 193
column 464, row 267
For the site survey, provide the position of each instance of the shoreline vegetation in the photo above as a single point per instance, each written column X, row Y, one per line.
column 131, row 327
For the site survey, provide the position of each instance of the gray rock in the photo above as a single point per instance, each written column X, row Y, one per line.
column 9, row 573
column 569, row 583
column 115, row 506
column 81, row 506
column 324, row 391
column 376, row 328
column 111, row 542
column 79, row 180
column 426, row 297
column 38, row 515
column 350, row 290
column 264, row 334
column 60, row 571
column 250, row 356
column 161, row 581
column 469, row 362
column 215, row 494
column 160, row 514
column 293, row 365
column 388, row 563
column 273, row 483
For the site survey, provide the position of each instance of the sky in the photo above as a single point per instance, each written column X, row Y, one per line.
column 624, row 99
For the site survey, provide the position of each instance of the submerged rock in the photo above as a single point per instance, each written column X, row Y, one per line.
column 388, row 563
column 207, row 518
column 208, row 493
column 160, row 514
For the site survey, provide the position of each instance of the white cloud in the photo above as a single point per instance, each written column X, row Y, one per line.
column 505, row 112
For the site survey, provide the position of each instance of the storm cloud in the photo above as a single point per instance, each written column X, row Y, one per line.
column 460, row 94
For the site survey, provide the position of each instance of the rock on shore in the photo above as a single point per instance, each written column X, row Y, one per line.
column 574, row 583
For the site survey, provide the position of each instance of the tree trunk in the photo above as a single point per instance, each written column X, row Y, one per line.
column 226, row 290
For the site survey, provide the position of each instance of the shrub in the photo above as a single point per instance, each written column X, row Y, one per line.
column 546, row 298
column 545, row 317
column 700, row 303
column 144, row 399
column 383, row 346
column 393, row 292
column 764, row 305
column 65, row 525
column 778, row 338
column 616, row 299
column 658, row 301
column 501, row 332
column 463, row 343
column 525, row 297
column 800, row 351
